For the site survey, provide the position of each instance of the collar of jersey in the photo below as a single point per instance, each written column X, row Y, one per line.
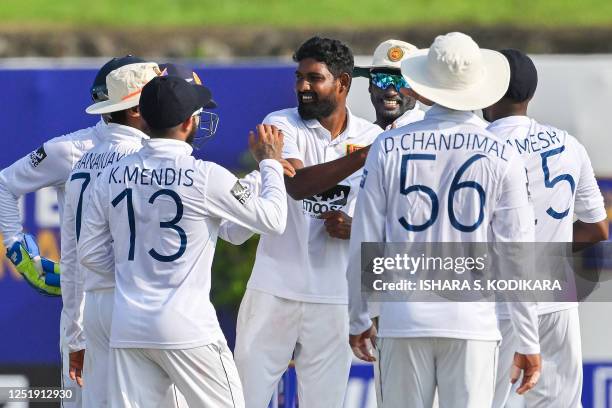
column 117, row 130
column 440, row 112
column 347, row 134
column 511, row 121
column 170, row 147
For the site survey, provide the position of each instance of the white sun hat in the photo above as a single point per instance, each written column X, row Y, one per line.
column 124, row 87
column 454, row 72
column 388, row 55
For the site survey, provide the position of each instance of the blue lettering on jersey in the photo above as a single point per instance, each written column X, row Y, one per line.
column 434, row 141
column 151, row 177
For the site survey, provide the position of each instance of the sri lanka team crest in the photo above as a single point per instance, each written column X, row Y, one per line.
column 351, row 148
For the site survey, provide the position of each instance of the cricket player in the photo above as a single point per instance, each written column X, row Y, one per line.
column 393, row 108
column 295, row 302
column 409, row 194
column 49, row 166
column 89, row 316
column 160, row 209
column 561, row 183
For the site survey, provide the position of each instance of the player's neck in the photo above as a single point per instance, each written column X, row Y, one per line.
column 384, row 123
column 336, row 122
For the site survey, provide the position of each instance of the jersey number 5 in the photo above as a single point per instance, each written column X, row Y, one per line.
column 548, row 183
column 172, row 224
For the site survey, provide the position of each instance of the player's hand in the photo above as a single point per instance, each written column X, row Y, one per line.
column 267, row 144
column 288, row 169
column 76, row 366
column 531, row 366
column 337, row 224
column 40, row 273
column 364, row 344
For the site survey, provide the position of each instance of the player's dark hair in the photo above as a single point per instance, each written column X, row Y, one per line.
column 335, row 54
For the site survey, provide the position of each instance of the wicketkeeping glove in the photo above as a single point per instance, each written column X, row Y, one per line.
column 40, row 273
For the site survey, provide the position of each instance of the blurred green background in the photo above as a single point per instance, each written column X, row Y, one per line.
column 303, row 13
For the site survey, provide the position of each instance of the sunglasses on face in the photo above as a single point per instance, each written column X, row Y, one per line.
column 383, row 81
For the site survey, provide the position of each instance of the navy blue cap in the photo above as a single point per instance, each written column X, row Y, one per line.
column 167, row 101
column 523, row 75
column 99, row 83
column 187, row 74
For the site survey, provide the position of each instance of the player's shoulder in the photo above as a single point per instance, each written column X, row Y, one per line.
column 363, row 127
column 289, row 116
column 81, row 140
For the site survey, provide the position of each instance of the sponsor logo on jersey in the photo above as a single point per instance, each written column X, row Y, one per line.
column 241, row 193
column 333, row 199
column 351, row 148
column 364, row 175
column 37, row 156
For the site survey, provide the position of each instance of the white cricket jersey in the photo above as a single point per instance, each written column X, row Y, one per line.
column 48, row 166
column 561, row 182
column 408, row 170
column 305, row 263
column 116, row 142
column 161, row 209
column 410, row 116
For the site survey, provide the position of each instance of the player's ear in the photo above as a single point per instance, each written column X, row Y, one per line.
column 134, row 112
column 345, row 82
column 187, row 124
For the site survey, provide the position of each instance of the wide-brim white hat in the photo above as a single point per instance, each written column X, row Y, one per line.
column 124, row 87
column 455, row 73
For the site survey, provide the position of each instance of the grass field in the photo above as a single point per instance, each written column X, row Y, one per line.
column 302, row 13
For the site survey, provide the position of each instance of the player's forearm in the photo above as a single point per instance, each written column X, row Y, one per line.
column 10, row 220
column 316, row 179
column 271, row 205
column 525, row 323
column 586, row 234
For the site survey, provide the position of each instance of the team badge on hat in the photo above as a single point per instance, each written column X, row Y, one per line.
column 395, row 54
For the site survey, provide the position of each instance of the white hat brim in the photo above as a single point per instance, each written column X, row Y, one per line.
column 111, row 106
column 492, row 86
column 380, row 66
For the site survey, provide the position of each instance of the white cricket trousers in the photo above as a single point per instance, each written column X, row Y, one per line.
column 66, row 381
column 271, row 329
column 462, row 370
column 97, row 318
column 561, row 382
column 206, row 376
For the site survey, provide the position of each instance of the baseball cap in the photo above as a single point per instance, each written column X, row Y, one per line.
column 523, row 75
column 99, row 84
column 124, row 87
column 388, row 55
column 187, row 74
column 169, row 100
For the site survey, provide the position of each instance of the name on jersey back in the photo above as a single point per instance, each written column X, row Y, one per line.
column 437, row 141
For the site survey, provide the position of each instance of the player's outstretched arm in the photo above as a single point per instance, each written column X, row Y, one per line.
column 316, row 179
column 235, row 233
column 312, row 180
column 228, row 198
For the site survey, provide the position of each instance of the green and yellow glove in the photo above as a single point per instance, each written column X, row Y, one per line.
column 40, row 273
